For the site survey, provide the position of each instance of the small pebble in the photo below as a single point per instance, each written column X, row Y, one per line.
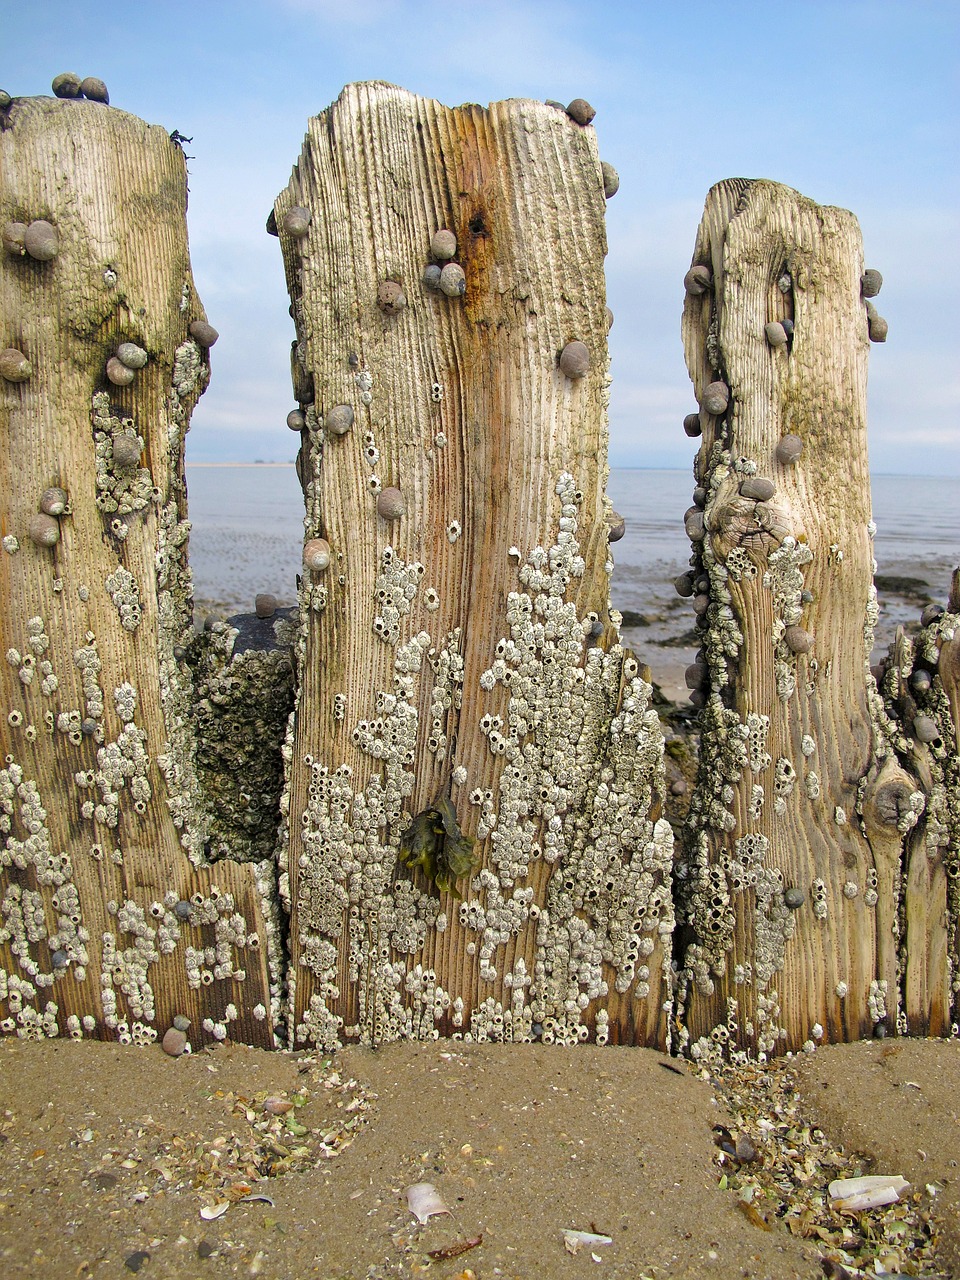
column 205, row 1249
column 134, row 1261
column 265, row 605
column 174, row 1042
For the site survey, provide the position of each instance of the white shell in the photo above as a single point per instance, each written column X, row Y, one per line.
column 423, row 1201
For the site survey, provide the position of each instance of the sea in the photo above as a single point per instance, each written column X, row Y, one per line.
column 248, row 532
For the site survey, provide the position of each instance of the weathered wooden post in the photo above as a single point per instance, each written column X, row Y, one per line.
column 793, row 874
column 111, row 923
column 468, row 723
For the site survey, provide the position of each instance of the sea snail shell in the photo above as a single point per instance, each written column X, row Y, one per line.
column 698, row 280
column 877, row 327
column 339, row 419
column 66, row 85
column 575, row 360
column 203, row 334
column 53, row 501
column 716, row 398
column 692, row 425
column 581, row 111
column 44, row 530
column 871, row 282
column 788, row 450
column 118, row 373
column 295, row 420
column 443, row 245
column 775, row 333
column 41, row 240
column 797, row 640
column 757, row 487
column 617, row 526
column 129, row 354
column 453, row 282
column 265, row 605
column 317, row 555
column 611, row 179
column 13, row 237
column 126, row 452
column 14, row 365
column 94, row 89
column 296, row 221
column 390, row 504
column 390, row 297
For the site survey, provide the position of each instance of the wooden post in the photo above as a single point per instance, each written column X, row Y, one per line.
column 111, row 922
column 468, row 723
column 792, row 871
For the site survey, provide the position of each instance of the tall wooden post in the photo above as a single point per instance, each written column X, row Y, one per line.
column 792, row 874
column 110, row 923
column 475, row 772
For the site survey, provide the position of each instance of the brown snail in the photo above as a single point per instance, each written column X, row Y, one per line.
column 93, row 88
column 203, row 334
column 716, row 398
column 581, row 111
column 296, row 221
column 317, row 555
column 788, row 450
column 14, row 365
column 390, row 297
column 41, row 240
column 66, row 85
column 575, row 360
column 698, row 280
column 390, row 504
column 443, row 244
column 453, row 282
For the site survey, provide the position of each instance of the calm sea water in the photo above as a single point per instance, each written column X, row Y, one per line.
column 248, row 531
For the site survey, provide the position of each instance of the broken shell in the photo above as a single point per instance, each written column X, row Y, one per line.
column 925, row 729
column 339, row 420
column 877, row 327
column 788, row 450
column 44, row 530
column 758, row 487
column 930, row 614
column 129, row 354
column 13, row 234
column 118, row 373
column 794, row 898
column 94, row 89
column 14, row 365
column 53, row 501
column 265, row 605
column 871, row 282
column 277, row 1106
column 317, row 555
column 390, row 296
column 66, row 85
column 41, row 240
column 431, row 277
column 126, row 452
column 716, row 398
column 611, row 179
column 617, row 526
column 296, row 421
column 581, row 111
column 698, row 280
column 296, row 221
column 390, row 504
column 575, row 360
column 203, row 334
column 797, row 640
column 443, row 244
column 853, row 1195
column 174, row 1042
column 775, row 333
column 452, row 280
column 692, row 425
column 423, row 1201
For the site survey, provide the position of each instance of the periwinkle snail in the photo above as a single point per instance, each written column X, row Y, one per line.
column 575, row 360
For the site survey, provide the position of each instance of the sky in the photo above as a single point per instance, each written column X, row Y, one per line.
column 853, row 104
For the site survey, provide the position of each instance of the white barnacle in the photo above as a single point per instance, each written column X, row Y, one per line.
column 454, row 530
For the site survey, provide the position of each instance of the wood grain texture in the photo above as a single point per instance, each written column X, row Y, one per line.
column 467, row 650
column 103, row 827
column 792, row 741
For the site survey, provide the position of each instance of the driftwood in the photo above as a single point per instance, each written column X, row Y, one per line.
column 476, row 772
column 804, row 816
column 112, row 924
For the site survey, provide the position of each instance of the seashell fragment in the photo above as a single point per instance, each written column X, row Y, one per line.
column 277, row 1106
column 210, row 1212
column 852, row 1195
column 573, row 1241
column 423, row 1201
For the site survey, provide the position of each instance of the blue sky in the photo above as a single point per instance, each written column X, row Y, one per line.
column 854, row 104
